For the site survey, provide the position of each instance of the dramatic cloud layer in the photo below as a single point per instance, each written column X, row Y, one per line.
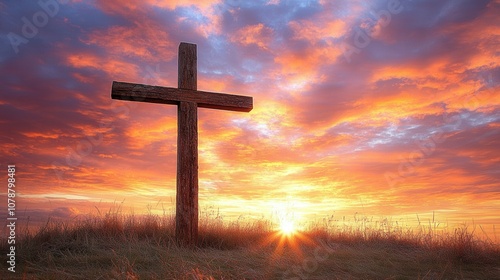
column 387, row 107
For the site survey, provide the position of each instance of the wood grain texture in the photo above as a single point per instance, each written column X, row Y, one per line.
column 187, row 66
column 186, row 221
column 186, row 215
column 168, row 95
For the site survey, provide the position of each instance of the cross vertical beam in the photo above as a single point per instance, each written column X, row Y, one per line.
column 186, row 216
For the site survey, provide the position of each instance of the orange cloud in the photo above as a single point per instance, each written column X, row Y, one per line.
column 45, row 135
column 120, row 70
column 318, row 30
column 169, row 4
column 147, row 41
column 300, row 69
column 145, row 132
column 126, row 7
column 258, row 34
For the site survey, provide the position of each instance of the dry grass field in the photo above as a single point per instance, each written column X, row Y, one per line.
column 118, row 246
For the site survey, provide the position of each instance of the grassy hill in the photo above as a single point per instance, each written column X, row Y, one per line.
column 116, row 246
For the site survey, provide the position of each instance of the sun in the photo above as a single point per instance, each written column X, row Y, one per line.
column 287, row 227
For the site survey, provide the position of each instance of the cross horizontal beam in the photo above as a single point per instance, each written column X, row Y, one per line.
column 167, row 95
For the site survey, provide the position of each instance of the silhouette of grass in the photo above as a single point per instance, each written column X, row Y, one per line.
column 119, row 246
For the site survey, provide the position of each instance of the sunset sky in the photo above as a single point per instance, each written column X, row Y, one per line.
column 382, row 108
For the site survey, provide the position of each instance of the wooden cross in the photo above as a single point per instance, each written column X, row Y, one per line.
column 188, row 99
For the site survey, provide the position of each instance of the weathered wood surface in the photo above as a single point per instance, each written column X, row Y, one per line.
column 167, row 95
column 187, row 67
column 186, row 222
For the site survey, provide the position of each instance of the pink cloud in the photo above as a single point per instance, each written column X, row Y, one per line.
column 258, row 34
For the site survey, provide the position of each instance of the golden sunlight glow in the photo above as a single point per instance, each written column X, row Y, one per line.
column 287, row 227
